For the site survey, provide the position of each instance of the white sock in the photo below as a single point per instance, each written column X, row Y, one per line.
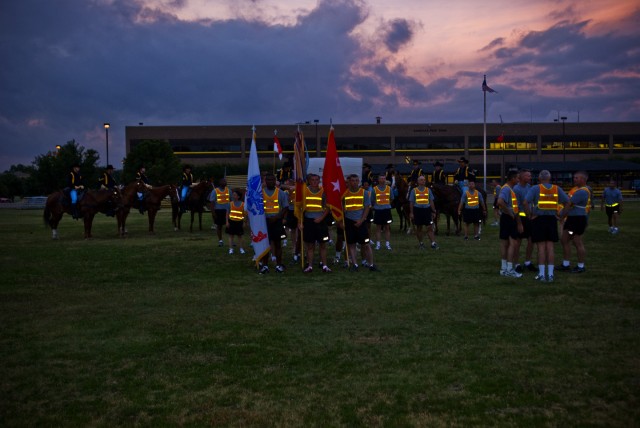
column 504, row 264
column 580, row 265
column 509, row 266
column 541, row 270
column 550, row 269
column 566, row 263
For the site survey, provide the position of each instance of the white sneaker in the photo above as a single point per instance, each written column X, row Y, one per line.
column 503, row 272
column 513, row 274
column 242, row 251
column 378, row 246
column 230, row 250
column 540, row 278
column 389, row 247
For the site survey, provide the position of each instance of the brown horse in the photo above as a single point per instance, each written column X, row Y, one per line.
column 152, row 202
column 447, row 201
column 195, row 203
column 93, row 202
column 402, row 203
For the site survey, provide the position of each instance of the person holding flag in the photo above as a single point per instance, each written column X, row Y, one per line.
column 357, row 204
column 335, row 186
column 254, row 205
column 276, row 205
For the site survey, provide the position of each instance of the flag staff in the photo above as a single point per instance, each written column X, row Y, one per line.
column 485, row 89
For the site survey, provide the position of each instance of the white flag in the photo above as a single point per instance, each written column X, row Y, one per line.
column 254, row 204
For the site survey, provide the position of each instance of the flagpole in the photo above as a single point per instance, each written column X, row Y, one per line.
column 484, row 140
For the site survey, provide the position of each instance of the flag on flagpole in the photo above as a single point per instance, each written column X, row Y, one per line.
column 277, row 148
column 299, row 173
column 333, row 178
column 500, row 139
column 254, row 204
column 486, row 88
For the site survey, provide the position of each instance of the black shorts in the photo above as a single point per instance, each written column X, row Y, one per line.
column 471, row 216
column 544, row 228
column 220, row 217
column 612, row 210
column 275, row 229
column 495, row 203
column 292, row 220
column 235, row 228
column 508, row 227
column 422, row 216
column 315, row 232
column 526, row 227
column 382, row 217
column 575, row 224
column 356, row 235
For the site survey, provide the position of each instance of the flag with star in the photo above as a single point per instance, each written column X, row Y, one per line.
column 333, row 179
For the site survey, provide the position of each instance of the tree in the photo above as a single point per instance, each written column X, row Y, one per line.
column 52, row 169
column 162, row 165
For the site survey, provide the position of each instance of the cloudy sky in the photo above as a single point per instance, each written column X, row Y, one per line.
column 71, row 65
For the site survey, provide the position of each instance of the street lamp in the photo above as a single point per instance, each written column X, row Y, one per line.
column 58, row 147
column 106, row 130
column 317, row 142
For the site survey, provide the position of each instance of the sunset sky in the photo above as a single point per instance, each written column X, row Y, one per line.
column 71, row 65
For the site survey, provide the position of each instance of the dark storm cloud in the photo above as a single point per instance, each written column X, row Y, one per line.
column 398, row 33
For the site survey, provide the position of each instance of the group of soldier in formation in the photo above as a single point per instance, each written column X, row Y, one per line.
column 523, row 212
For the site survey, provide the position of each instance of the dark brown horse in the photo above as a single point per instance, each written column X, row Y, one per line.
column 401, row 203
column 152, row 198
column 195, row 203
column 447, row 201
column 93, row 202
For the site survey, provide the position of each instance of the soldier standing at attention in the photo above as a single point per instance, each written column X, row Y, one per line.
column 612, row 202
column 510, row 226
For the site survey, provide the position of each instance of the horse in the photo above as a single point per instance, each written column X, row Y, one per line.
column 93, row 202
column 401, row 203
column 447, row 201
column 152, row 199
column 195, row 203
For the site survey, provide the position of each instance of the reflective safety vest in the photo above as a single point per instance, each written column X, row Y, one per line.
column 612, row 205
column 222, row 196
column 383, row 197
column 473, row 200
column 313, row 201
column 271, row 205
column 574, row 190
column 548, row 198
column 514, row 199
column 422, row 197
column 236, row 213
column 354, row 201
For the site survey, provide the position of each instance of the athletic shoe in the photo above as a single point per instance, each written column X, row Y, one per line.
column 220, row 243
column 230, row 250
column 540, row 278
column 273, row 258
column 477, row 237
column 279, row 269
column 242, row 251
column 353, row 268
column 326, row 269
column 503, row 272
column 264, row 270
column 336, row 261
column 578, row 270
column 514, row 274
column 378, row 246
column 518, row 268
column 563, row 268
column 389, row 247
column 435, row 246
column 495, row 223
column 531, row 268
column 421, row 246
column 373, row 268
column 308, row 269
column 365, row 263
column 296, row 257
column 550, row 278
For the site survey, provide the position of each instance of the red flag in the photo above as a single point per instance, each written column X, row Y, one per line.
column 333, row 179
column 277, row 147
column 299, row 173
column 500, row 139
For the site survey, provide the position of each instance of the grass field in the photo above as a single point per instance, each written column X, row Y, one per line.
column 171, row 330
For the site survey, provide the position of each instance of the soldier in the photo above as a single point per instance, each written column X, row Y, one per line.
column 314, row 227
column 439, row 176
column 472, row 207
column 107, row 181
column 576, row 211
column 276, row 206
column 142, row 177
column 220, row 199
column 75, row 186
column 421, row 199
column 612, row 201
column 382, row 211
column 510, row 226
column 356, row 207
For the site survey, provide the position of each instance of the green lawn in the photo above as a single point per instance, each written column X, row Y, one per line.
column 171, row 330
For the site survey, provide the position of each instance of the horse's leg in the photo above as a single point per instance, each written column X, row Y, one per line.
column 191, row 225
column 152, row 218
column 88, row 220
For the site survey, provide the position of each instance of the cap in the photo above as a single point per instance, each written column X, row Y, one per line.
column 416, row 162
column 109, row 166
column 463, row 159
column 186, row 167
column 75, row 165
column 438, row 163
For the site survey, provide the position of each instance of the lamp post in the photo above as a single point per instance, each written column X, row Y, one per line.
column 317, row 142
column 58, row 147
column 106, row 130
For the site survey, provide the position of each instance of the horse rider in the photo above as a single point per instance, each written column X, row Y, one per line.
column 463, row 174
column 415, row 173
column 107, row 181
column 141, row 176
column 74, row 184
column 285, row 173
column 367, row 174
column 439, row 176
column 185, row 187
